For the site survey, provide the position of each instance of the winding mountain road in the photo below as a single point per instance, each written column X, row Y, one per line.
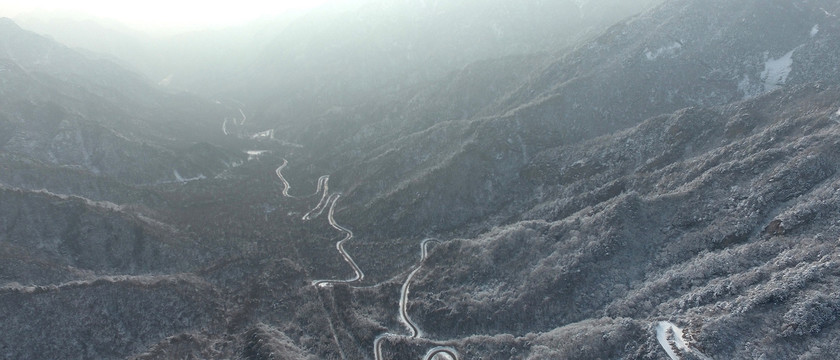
column 323, row 185
column 235, row 121
column 359, row 275
column 329, row 201
column 285, row 182
column 224, row 127
column 241, row 122
column 449, row 352
column 412, row 327
column 406, row 320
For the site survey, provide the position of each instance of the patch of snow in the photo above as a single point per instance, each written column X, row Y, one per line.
column 838, row 112
column 669, row 51
column 815, row 30
column 776, row 71
column 255, row 154
column 287, row 143
column 670, row 337
column 662, row 335
column 182, row 179
column 268, row 134
column 92, row 203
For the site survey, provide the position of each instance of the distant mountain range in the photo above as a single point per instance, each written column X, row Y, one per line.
column 435, row 180
column 59, row 108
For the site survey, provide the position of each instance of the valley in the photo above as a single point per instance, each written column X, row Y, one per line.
column 430, row 180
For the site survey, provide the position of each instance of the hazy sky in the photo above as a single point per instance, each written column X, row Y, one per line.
column 163, row 13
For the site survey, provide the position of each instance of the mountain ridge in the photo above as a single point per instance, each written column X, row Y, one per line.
column 664, row 190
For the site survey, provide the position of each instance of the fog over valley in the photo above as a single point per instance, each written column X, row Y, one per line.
column 420, row 179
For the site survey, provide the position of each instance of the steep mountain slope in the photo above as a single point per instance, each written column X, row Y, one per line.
column 605, row 85
column 344, row 56
column 686, row 53
column 714, row 218
column 75, row 233
column 121, row 251
column 710, row 217
column 667, row 190
column 106, row 317
column 59, row 108
column 212, row 261
column 91, row 278
column 348, row 134
column 202, row 61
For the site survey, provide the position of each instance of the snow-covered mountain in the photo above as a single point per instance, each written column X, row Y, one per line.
column 661, row 186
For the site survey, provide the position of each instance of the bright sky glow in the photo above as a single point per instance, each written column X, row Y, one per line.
column 163, row 13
